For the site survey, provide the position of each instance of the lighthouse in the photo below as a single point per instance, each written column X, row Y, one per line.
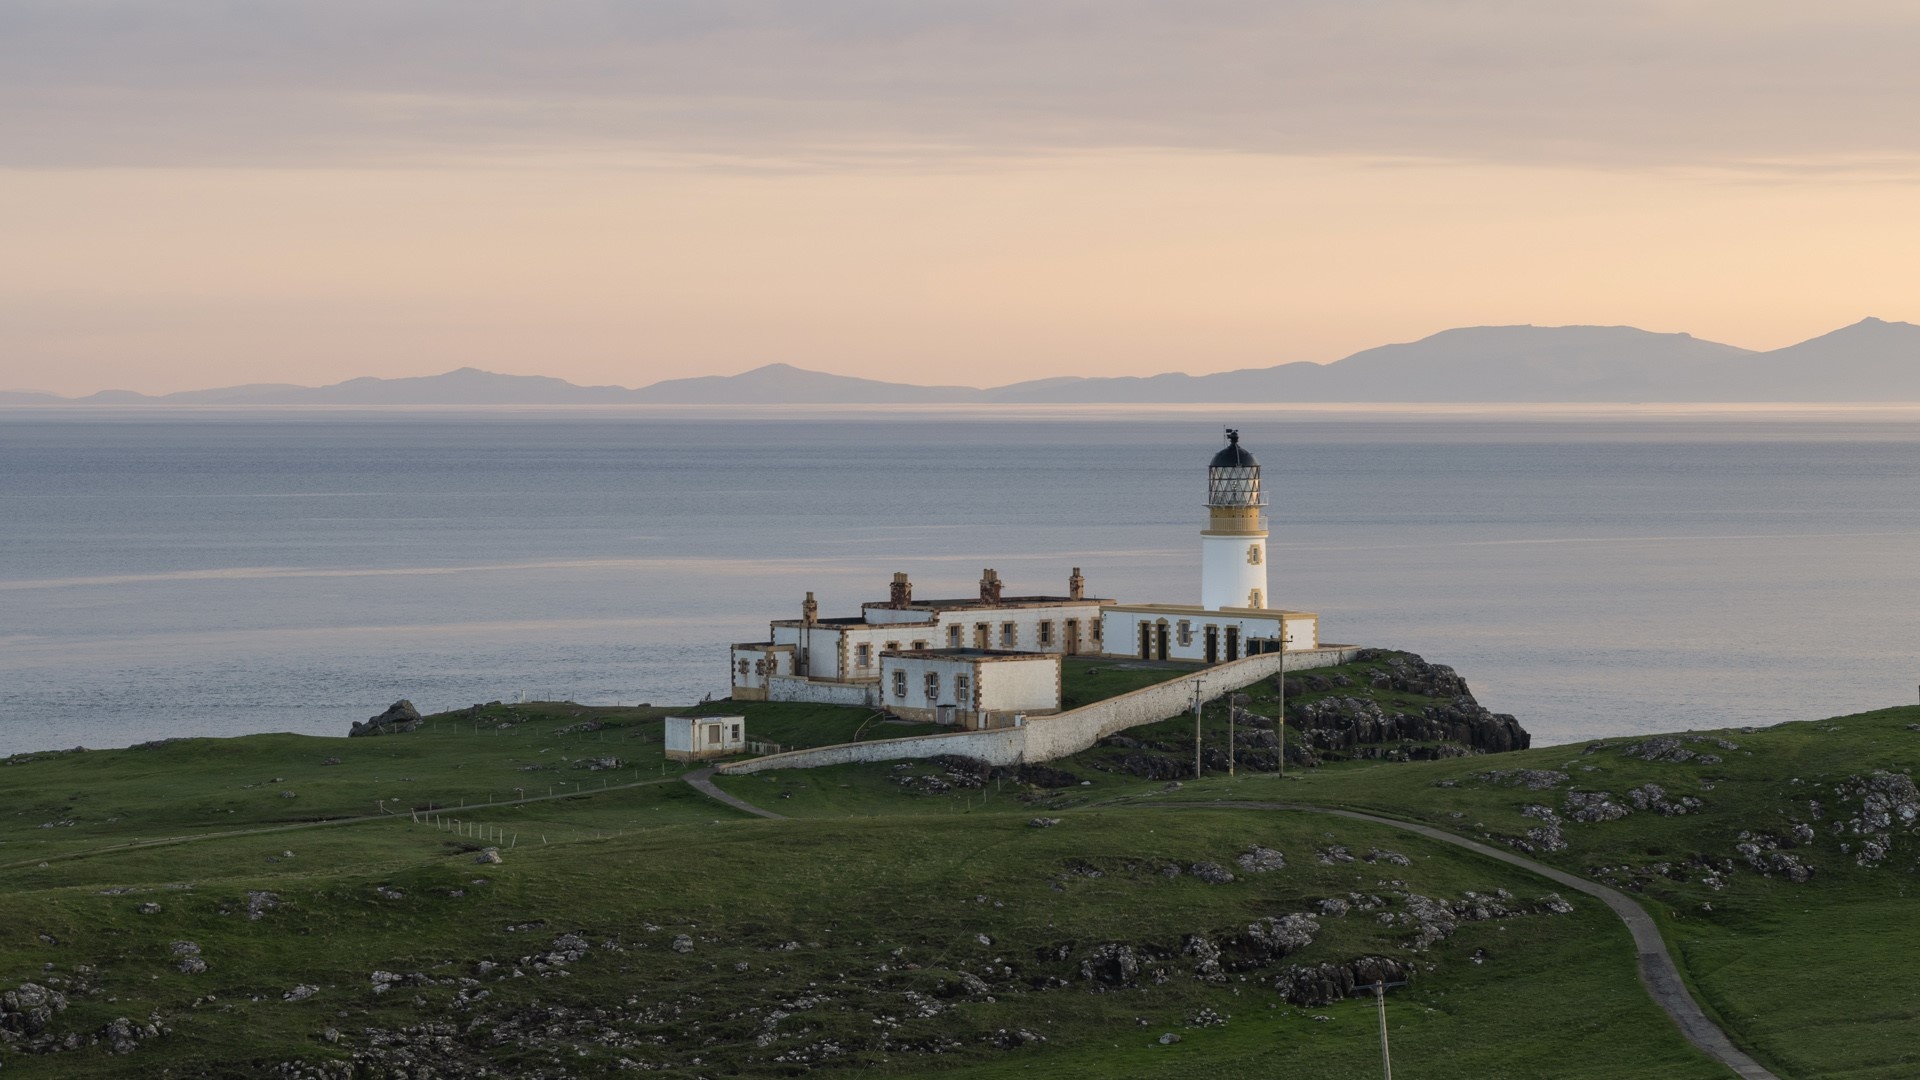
column 1233, row 546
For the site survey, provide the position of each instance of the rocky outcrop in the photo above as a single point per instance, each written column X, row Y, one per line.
column 27, row 1011
column 400, row 716
column 1324, row 984
column 1344, row 722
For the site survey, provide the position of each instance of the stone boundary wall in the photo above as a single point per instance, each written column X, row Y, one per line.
column 1044, row 738
column 1057, row 736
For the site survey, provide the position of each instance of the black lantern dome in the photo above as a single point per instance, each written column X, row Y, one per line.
column 1233, row 478
column 1234, row 456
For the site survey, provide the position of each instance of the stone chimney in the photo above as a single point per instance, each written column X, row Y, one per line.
column 810, row 611
column 1077, row 585
column 989, row 587
column 901, row 595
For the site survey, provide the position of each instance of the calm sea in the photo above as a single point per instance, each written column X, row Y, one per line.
column 206, row 573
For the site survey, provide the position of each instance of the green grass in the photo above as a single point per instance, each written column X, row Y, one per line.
column 853, row 920
column 1085, row 680
column 1764, row 954
column 867, row 906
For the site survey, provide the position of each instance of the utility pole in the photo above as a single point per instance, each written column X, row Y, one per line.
column 1234, row 705
column 1280, row 720
column 1196, row 729
column 1380, row 987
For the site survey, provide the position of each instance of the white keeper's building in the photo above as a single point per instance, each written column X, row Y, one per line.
column 983, row 661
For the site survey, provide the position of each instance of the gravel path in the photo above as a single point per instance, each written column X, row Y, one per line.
column 1657, row 970
column 700, row 779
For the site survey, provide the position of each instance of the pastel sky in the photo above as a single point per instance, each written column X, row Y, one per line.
column 207, row 192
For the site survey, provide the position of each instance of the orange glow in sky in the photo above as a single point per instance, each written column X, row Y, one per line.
column 910, row 215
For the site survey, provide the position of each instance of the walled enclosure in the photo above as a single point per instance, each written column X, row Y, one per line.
column 1044, row 738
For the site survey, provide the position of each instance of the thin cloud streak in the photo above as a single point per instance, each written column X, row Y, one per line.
column 840, row 84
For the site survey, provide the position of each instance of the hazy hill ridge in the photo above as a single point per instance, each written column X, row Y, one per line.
column 1871, row 360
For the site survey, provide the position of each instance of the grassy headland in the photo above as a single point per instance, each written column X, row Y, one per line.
column 916, row 920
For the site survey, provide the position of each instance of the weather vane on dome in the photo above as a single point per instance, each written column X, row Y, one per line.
column 1233, row 436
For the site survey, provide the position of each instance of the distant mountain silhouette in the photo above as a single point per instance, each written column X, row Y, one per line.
column 784, row 384
column 1870, row 361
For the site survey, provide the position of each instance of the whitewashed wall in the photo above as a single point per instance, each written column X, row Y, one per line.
column 1046, row 738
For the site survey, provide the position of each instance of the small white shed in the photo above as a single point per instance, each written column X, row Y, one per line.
column 694, row 738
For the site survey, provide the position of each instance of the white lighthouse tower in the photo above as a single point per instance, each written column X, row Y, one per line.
column 1233, row 546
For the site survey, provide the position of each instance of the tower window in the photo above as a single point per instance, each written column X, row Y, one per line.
column 1255, row 600
column 1253, row 554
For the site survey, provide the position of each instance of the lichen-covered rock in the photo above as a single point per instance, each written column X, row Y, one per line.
column 1887, row 800
column 1531, row 779
column 188, row 960
column 28, row 1010
column 1206, row 957
column 1589, row 807
column 1654, row 797
column 123, row 1036
column 1211, row 873
column 1260, row 860
column 1325, row 984
column 1278, row 937
column 1546, row 836
column 1113, row 965
column 399, row 717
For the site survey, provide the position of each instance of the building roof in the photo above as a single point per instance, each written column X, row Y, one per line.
column 968, row 654
column 971, row 602
column 1234, row 456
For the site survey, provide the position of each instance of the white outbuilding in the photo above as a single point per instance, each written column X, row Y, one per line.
column 695, row 738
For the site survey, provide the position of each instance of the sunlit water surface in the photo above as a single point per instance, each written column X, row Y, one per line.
column 209, row 573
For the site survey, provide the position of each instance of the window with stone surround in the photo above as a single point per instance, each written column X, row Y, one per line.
column 1046, row 632
column 954, row 637
column 933, row 686
column 1009, row 635
column 899, row 684
column 863, row 655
